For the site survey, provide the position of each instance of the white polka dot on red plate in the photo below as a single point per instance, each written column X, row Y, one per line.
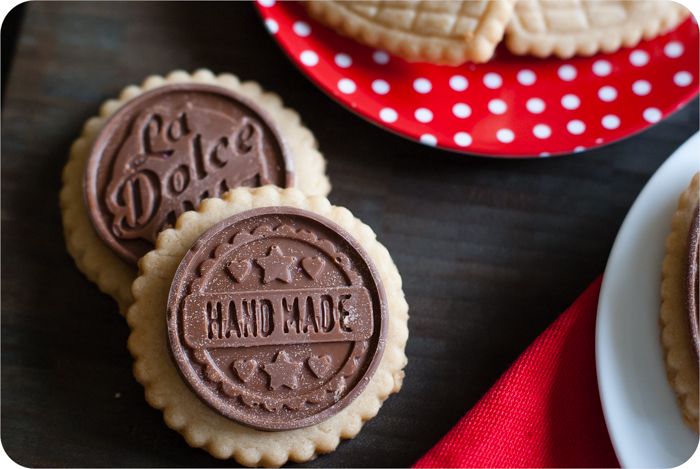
column 422, row 85
column 493, row 80
column 463, row 139
column 380, row 86
column 544, row 154
column 310, row 58
column 579, row 149
column 639, row 58
column 380, row 57
column 301, row 28
column 526, row 77
column 607, row 94
column 567, row 72
column 652, row 115
column 346, row 86
column 428, row 139
column 423, row 115
column 388, row 115
column 266, row 3
column 505, row 135
column 461, row 110
column 641, row 87
column 272, row 26
column 673, row 49
column 682, row 78
column 343, row 60
column 576, row 127
column 535, row 105
column 602, row 68
column 497, row 106
column 541, row 131
column 570, row 102
column 459, row 82
column 610, row 122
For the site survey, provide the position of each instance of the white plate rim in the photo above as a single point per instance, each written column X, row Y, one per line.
column 663, row 441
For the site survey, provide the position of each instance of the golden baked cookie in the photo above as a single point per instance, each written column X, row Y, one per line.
column 444, row 32
column 159, row 149
column 565, row 28
column 268, row 325
column 679, row 303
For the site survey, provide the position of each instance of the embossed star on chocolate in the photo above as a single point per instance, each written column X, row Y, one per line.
column 283, row 371
column 276, row 265
column 276, row 318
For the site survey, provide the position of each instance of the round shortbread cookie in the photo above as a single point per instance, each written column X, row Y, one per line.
column 681, row 359
column 112, row 274
column 564, row 29
column 182, row 409
column 445, row 32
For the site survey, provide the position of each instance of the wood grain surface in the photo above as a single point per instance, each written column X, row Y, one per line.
column 490, row 251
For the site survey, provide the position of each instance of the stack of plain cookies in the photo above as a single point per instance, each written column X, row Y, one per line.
column 457, row 31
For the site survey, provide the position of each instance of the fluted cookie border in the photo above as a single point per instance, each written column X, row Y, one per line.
column 182, row 410
column 477, row 48
column 92, row 256
column 587, row 43
column 679, row 354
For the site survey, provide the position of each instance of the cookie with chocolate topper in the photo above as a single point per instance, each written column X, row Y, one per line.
column 159, row 150
column 679, row 302
column 268, row 325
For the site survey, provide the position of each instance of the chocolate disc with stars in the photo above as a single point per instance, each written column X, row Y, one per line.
column 277, row 318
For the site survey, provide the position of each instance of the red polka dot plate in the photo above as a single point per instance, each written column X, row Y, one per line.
column 509, row 107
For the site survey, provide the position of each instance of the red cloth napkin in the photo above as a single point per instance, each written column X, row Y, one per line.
column 544, row 411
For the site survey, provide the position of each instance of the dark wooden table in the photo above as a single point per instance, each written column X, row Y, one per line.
column 490, row 251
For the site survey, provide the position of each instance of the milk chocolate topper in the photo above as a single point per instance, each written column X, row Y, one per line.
column 167, row 149
column 692, row 282
column 277, row 318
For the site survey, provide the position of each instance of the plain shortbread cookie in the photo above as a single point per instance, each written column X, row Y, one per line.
column 565, row 28
column 447, row 32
